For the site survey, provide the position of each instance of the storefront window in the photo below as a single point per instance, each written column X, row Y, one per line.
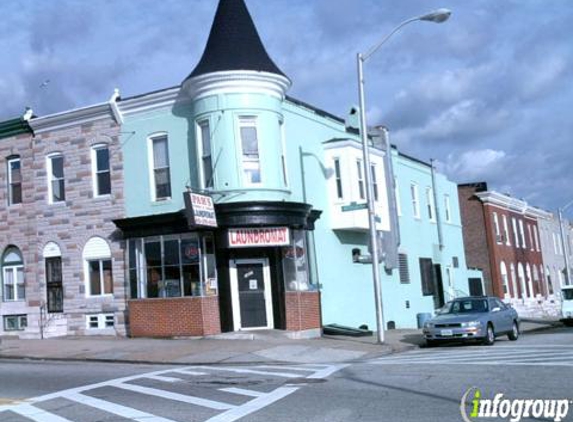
column 295, row 264
column 171, row 266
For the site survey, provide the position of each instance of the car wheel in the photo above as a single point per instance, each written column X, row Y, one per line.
column 514, row 334
column 490, row 336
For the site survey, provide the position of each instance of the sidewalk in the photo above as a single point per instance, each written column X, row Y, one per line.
column 267, row 347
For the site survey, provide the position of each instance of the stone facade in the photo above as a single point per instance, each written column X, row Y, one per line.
column 69, row 224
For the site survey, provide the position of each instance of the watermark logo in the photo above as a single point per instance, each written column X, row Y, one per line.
column 475, row 407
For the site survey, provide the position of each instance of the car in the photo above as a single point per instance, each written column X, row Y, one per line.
column 474, row 318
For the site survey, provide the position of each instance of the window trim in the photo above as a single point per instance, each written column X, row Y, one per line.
column 151, row 160
column 249, row 121
column 199, row 125
column 415, row 196
column 339, row 186
column 49, row 171
column 506, row 230
column 374, row 181
column 448, row 208
column 360, row 179
column 100, row 261
column 96, row 171
column 10, row 196
column 431, row 209
column 20, row 326
column 101, row 321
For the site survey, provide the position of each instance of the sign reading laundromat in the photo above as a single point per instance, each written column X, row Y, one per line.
column 262, row 236
column 200, row 210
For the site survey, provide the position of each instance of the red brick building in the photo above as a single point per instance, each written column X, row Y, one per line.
column 501, row 237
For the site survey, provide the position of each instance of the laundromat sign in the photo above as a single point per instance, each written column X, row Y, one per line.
column 256, row 237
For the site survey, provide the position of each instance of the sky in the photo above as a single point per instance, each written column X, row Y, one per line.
column 487, row 94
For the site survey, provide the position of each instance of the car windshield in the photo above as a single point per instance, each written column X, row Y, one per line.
column 466, row 306
column 567, row 294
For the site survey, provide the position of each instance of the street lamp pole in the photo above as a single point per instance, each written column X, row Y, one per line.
column 437, row 16
column 564, row 242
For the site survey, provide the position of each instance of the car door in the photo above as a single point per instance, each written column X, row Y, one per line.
column 496, row 315
column 507, row 313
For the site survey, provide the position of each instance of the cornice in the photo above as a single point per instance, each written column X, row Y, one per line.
column 237, row 81
column 69, row 118
column 150, row 101
column 512, row 204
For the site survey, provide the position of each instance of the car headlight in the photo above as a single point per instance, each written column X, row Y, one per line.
column 471, row 324
column 428, row 324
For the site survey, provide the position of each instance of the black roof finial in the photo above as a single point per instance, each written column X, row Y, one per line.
column 234, row 43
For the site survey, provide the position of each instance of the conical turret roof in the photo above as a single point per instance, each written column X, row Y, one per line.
column 234, row 43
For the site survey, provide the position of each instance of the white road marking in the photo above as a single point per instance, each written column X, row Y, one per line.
column 174, row 396
column 474, row 356
column 163, row 378
column 255, row 372
column 253, row 405
column 326, row 372
column 290, row 368
column 37, row 415
column 188, row 372
column 116, row 409
column 242, row 392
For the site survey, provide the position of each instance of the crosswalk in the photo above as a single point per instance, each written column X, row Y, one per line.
column 524, row 355
column 185, row 386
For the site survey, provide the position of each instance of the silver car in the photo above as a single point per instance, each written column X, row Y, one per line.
column 477, row 318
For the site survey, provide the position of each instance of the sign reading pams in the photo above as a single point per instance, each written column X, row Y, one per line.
column 200, row 210
column 254, row 237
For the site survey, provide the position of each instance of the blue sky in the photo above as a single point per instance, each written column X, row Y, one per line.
column 488, row 94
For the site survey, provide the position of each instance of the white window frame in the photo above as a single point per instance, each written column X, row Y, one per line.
column 150, row 158
column 95, row 171
column 497, row 231
column 337, row 164
column 360, row 179
column 284, row 163
column 204, row 155
column 374, row 182
column 448, row 208
column 506, row 230
column 415, row 200
column 10, row 180
column 100, row 261
column 431, row 209
column 51, row 179
column 249, row 121
column 21, row 322
column 504, row 279
column 522, row 233
column 14, row 270
column 536, row 238
column 532, row 244
column 515, row 233
column 101, row 320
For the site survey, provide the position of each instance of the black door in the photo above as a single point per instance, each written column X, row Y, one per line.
column 475, row 287
column 439, row 290
column 251, row 283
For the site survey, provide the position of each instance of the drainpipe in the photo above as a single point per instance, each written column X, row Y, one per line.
column 436, row 207
column 115, row 108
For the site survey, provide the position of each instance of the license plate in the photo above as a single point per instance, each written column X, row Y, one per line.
column 447, row 332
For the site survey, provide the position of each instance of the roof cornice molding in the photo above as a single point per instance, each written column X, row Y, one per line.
column 334, row 144
column 512, row 204
column 237, row 81
column 150, row 101
column 69, row 118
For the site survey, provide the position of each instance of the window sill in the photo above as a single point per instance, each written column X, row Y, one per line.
column 104, row 296
column 102, row 197
column 159, row 202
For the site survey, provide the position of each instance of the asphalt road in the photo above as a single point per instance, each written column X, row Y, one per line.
column 420, row 385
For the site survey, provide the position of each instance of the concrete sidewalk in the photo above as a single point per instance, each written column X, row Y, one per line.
column 260, row 347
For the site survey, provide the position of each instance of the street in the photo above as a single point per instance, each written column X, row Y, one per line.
column 419, row 385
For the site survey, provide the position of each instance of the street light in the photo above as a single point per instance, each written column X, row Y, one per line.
column 563, row 241
column 437, row 16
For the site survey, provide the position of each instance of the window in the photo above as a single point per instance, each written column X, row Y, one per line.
column 515, row 234
column 100, row 321
column 522, row 234
column 14, row 181
column 496, row 228
column 549, row 282
column 430, row 203
column 374, row 181
column 513, row 280
column 504, row 280
column 98, row 267
column 536, row 239
column 250, row 150
column 101, row 171
column 415, row 200
column 283, row 152
column 205, row 154
column 531, row 245
column 338, row 178
column 172, row 266
column 56, row 184
column 15, row 322
column 556, row 248
column 506, row 231
column 448, row 208
column 54, row 285
column 455, row 262
column 403, row 268
column 295, row 264
column 427, row 276
column 360, row 179
column 13, row 275
column 161, row 178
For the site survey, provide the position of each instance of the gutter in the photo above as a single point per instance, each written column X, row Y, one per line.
column 114, row 107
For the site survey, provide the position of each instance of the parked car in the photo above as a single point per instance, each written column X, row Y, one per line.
column 474, row 318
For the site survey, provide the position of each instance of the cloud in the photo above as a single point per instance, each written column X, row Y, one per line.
column 474, row 165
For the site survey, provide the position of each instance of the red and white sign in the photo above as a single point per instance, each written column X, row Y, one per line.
column 200, row 210
column 264, row 236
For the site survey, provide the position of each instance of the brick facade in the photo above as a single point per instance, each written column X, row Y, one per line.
column 34, row 223
column 186, row 316
column 302, row 311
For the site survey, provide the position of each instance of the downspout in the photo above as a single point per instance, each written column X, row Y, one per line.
column 436, row 207
column 114, row 107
